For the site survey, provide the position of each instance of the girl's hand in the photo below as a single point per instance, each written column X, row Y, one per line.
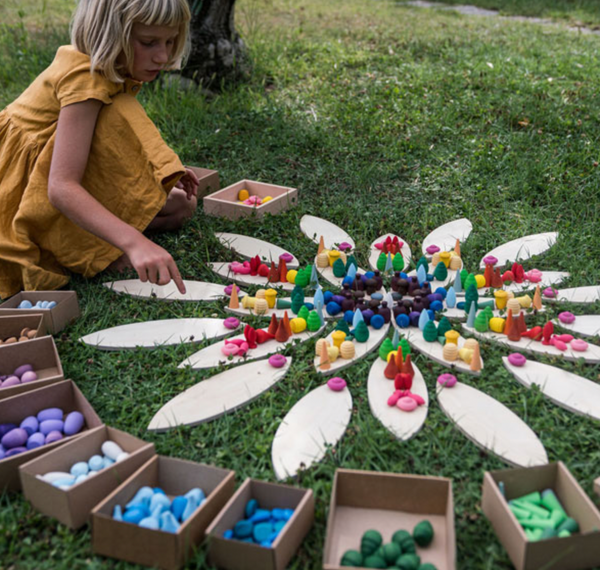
column 188, row 182
column 154, row 264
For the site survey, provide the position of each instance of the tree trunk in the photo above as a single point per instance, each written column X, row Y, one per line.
column 218, row 54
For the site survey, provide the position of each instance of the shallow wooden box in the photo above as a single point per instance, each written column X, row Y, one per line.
column 224, row 203
column 12, row 325
column 208, row 180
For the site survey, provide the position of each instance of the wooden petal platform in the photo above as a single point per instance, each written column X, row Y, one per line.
column 403, row 425
column 218, row 395
column 582, row 295
column 491, row 425
column 522, row 248
column 445, row 236
column 313, row 228
column 249, row 247
column 195, row 290
column 222, row 268
column 154, row 334
column 316, row 421
column 584, row 325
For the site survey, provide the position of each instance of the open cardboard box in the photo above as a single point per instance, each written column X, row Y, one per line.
column 237, row 555
column 73, row 506
column 55, row 319
column 63, row 394
column 208, row 180
column 387, row 502
column 12, row 325
column 225, row 202
column 41, row 354
column 578, row 551
column 154, row 547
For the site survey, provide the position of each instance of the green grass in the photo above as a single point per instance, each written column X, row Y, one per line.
column 387, row 119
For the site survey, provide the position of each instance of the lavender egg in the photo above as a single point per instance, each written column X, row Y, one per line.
column 30, row 425
column 36, row 440
column 5, row 428
column 15, row 451
column 11, row 381
column 22, row 369
column 51, row 425
column 73, row 423
column 28, row 376
column 14, row 438
column 53, row 436
column 50, row 414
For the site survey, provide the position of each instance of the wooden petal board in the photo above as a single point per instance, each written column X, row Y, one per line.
column 522, row 248
column 445, row 236
column 218, row 395
column 222, row 268
column 584, row 325
column 549, row 278
column 576, row 295
column 249, row 247
column 491, row 425
column 590, row 356
column 567, row 390
column 195, row 290
column 313, row 228
column 404, row 250
column 362, row 349
column 455, row 314
column 212, row 356
column 434, row 350
column 402, row 425
column 153, row 334
column 435, row 283
column 318, row 420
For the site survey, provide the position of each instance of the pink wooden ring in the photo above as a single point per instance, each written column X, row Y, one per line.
column 448, row 380
column 550, row 292
column 287, row 257
column 566, row 317
column 579, row 345
column 432, row 249
column 516, row 359
column 406, row 404
column 336, row 384
column 230, row 349
column 277, row 360
column 231, row 323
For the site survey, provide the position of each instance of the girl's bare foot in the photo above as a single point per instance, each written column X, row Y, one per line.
column 120, row 264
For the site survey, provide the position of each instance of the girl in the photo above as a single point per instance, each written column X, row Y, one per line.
column 83, row 170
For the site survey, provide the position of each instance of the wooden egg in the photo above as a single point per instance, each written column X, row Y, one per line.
column 480, row 280
column 333, row 352
column 31, row 334
column 243, row 194
column 470, row 343
column 25, row 331
column 318, row 345
column 261, row 306
column 347, row 350
column 291, row 276
column 450, row 352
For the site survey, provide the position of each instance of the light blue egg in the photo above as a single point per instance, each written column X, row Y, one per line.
column 80, row 468
column 25, row 305
column 80, row 478
column 149, row 522
column 118, row 513
column 51, row 305
column 168, row 522
column 44, row 304
column 38, row 305
column 96, row 463
column 178, row 506
column 66, row 482
column 107, row 462
column 142, row 496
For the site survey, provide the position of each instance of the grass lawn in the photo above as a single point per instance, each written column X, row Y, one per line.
column 387, row 119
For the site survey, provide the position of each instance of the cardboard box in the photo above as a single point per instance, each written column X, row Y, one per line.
column 224, row 203
column 387, row 502
column 208, row 180
column 154, row 547
column 56, row 319
column 63, row 394
column 41, row 354
column 12, row 325
column 237, row 555
column 578, row 551
column 73, row 506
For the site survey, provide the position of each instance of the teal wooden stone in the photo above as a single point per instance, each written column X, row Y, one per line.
column 242, row 529
column 262, row 531
column 251, row 507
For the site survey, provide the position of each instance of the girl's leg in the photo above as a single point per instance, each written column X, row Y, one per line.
column 177, row 210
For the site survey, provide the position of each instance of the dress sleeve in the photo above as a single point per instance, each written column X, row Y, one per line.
column 79, row 84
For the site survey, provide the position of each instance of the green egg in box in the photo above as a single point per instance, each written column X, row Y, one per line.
column 408, row 562
column 352, row 558
column 427, row 566
column 375, row 561
column 390, row 552
column 405, row 541
column 423, row 533
column 370, row 542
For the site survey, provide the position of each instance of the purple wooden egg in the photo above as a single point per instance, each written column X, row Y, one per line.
column 36, row 440
column 3, row 377
column 28, row 376
column 30, row 425
column 53, row 436
column 14, row 438
column 22, row 369
column 5, row 428
column 50, row 414
column 73, row 423
column 2, row 452
column 11, row 381
column 51, row 425
column 15, row 451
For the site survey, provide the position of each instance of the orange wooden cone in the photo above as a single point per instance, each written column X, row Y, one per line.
column 476, row 359
column 324, row 363
column 497, row 279
column 281, row 335
column 537, row 298
column 273, row 276
column 286, row 324
column 399, row 359
column 407, row 367
column 514, row 333
column 282, row 271
column 391, row 369
column 457, row 247
column 522, row 326
column 321, row 245
column 509, row 323
column 273, row 324
column 234, row 301
column 488, row 275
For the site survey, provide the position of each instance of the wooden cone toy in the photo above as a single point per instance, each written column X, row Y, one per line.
column 324, row 363
column 286, row 324
column 282, row 334
column 508, row 325
column 398, row 358
column 282, row 271
column 273, row 276
column 273, row 324
column 234, row 301
column 391, row 369
column 407, row 367
column 321, row 245
column 497, row 282
column 475, row 365
column 521, row 323
column 457, row 247
column 537, row 298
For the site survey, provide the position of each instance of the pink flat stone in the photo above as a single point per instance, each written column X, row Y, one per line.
column 277, row 361
column 490, row 260
column 432, row 249
column 406, row 404
column 287, row 257
column 566, row 317
column 448, row 380
column 231, row 323
column 336, row 384
column 516, row 359
column 579, row 345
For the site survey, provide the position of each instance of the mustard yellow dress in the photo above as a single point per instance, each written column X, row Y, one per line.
column 130, row 171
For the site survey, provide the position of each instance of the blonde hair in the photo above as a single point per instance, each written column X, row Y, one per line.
column 102, row 30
